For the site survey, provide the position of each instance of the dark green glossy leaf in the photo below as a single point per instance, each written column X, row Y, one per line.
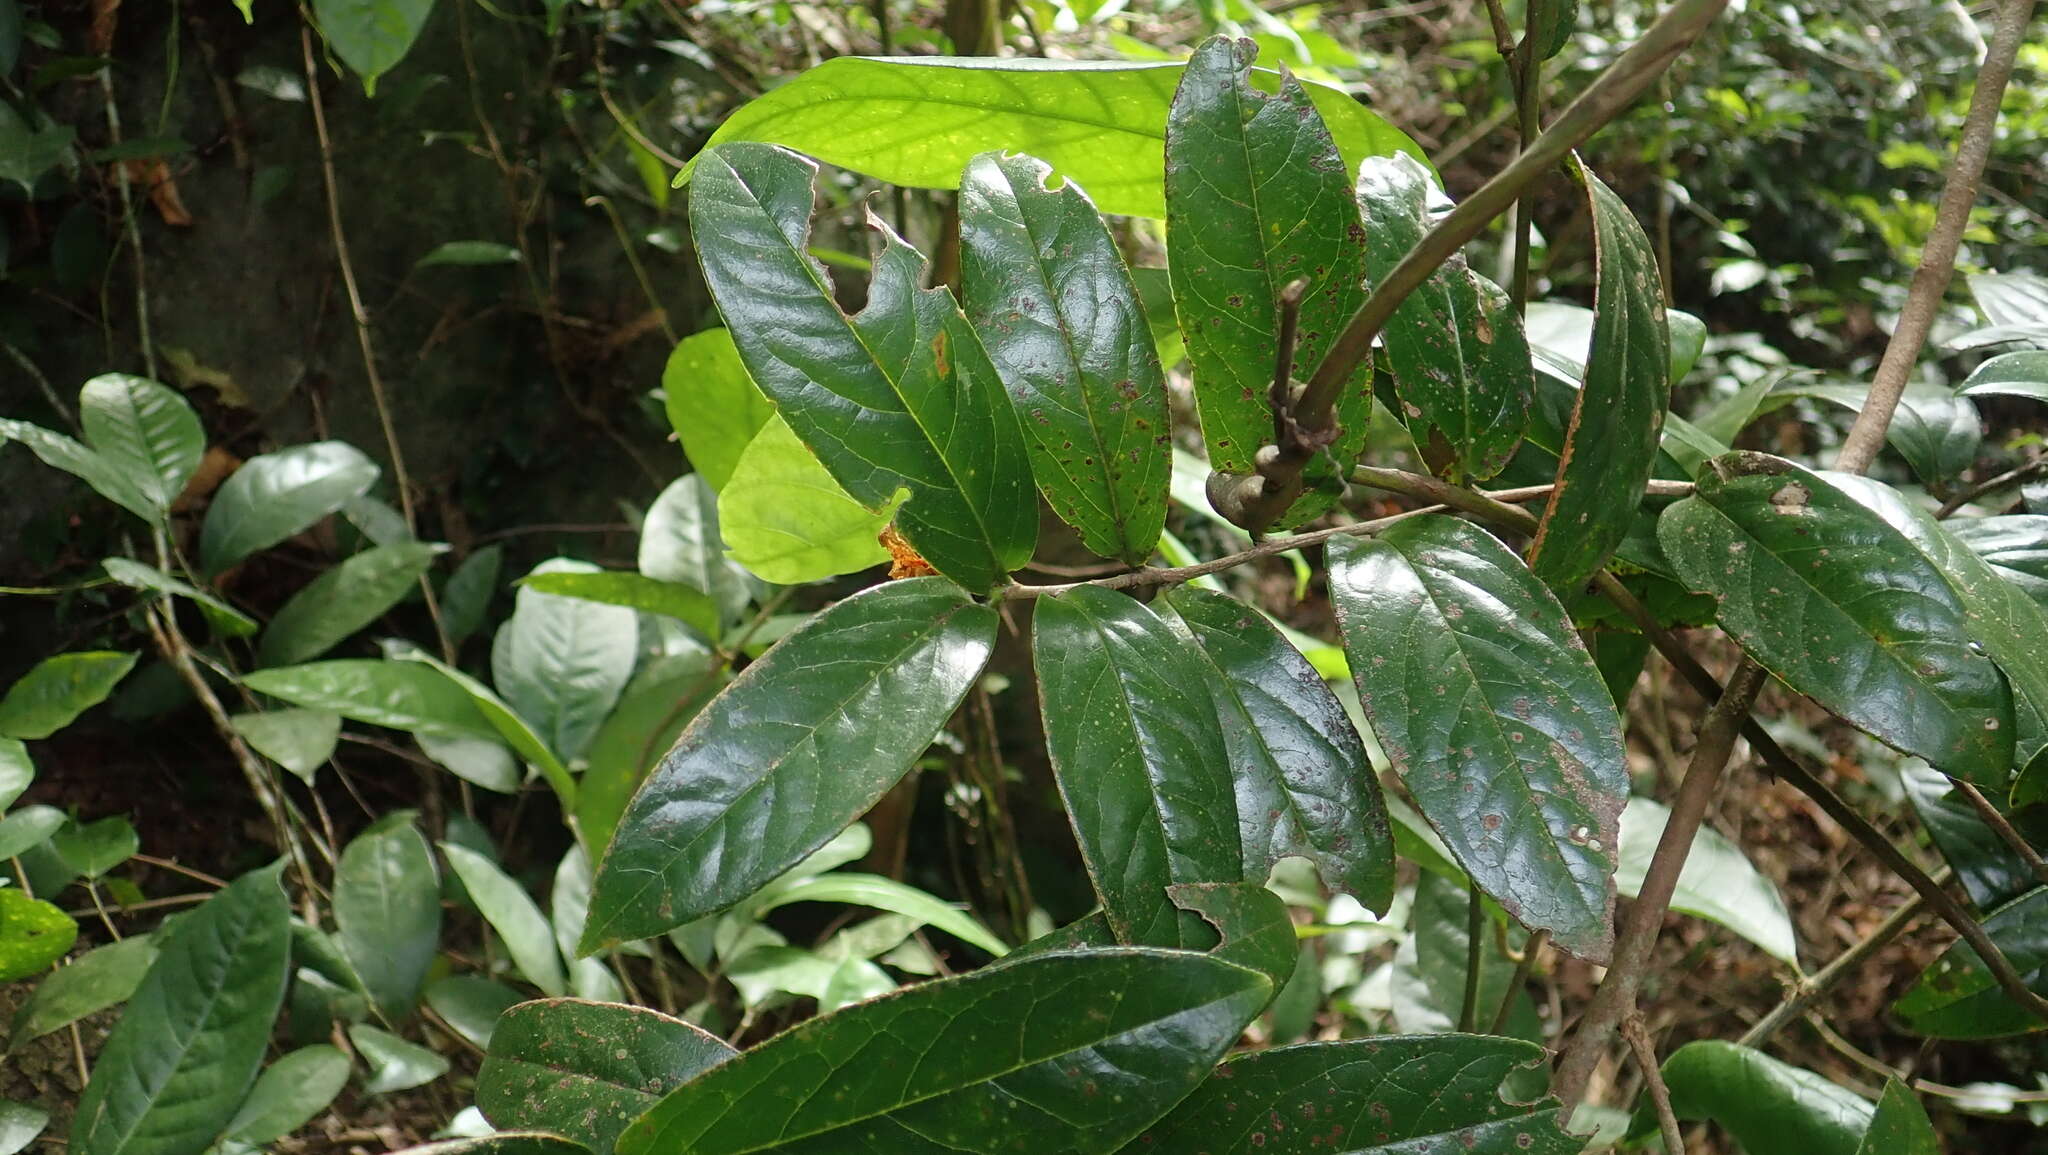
column 833, row 715
column 1839, row 603
column 1047, row 290
column 401, row 695
column 1460, row 363
column 276, row 495
column 58, row 689
column 94, row 848
column 1303, row 781
column 516, row 731
column 472, row 1005
column 1393, row 1094
column 94, row 981
column 917, row 121
column 713, row 406
column 2022, row 374
column 586, row 1069
column 60, row 452
column 2016, row 545
column 1428, row 980
column 1138, row 750
column 343, row 600
column 660, row 700
column 901, row 396
column 788, row 522
column 289, row 1093
column 1257, row 197
column 1610, row 447
column 1491, row 710
column 1956, row 998
column 561, row 662
column 1256, row 931
column 395, row 1064
column 1553, row 30
column 513, row 914
column 387, row 911
column 33, row 934
column 1938, row 433
column 1988, row 869
column 1089, row 932
column 466, row 595
column 224, row 618
column 29, row 827
column 1901, row 1125
column 1061, row 1054
column 17, row 771
column 1771, row 1108
column 503, row 1143
column 301, row 741
column 186, row 1050
column 371, row 36
column 145, row 431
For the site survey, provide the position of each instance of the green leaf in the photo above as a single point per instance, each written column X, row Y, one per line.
column 634, row 591
column 1047, row 290
column 713, row 406
column 1610, row 446
column 1837, row 601
column 833, row 714
column 94, row 848
column 289, row 1093
column 1990, row 872
column 58, row 689
column 395, row 1064
column 17, row 771
column 1303, row 781
column 503, row 1143
column 2022, row 374
column 1257, row 197
column 1901, row 1125
column 1717, row 883
column 929, row 1070
column 27, row 152
column 371, row 36
column 586, row 1070
column 901, row 396
column 1956, row 998
column 20, row 1123
column 301, row 741
column 1256, row 931
column 516, row 731
column 660, row 700
column 561, row 663
column 506, row 906
column 472, row 1005
column 1138, row 750
column 1460, row 362
column 885, row 894
column 1560, row 19
column 344, row 599
column 918, row 121
column 1938, row 433
column 1427, row 986
column 1367, row 1096
column 1771, row 1108
column 94, row 981
column 2016, row 546
column 387, row 911
column 467, row 594
column 33, row 934
column 61, row 452
column 224, row 618
column 1491, row 710
column 680, row 542
column 186, row 1050
column 144, row 430
column 470, row 253
column 28, row 828
column 788, row 522
column 276, row 495
column 400, row 695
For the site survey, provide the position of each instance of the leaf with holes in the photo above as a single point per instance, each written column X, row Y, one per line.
column 1493, row 713
column 1047, row 290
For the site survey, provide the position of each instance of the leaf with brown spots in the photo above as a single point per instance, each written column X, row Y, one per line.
column 1495, row 716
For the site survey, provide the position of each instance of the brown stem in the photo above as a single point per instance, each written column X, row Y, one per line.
column 2012, row 476
column 1938, row 257
column 2002, row 826
column 1637, row 1035
column 1809, row 990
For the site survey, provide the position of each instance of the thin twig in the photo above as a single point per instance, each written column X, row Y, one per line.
column 2003, row 827
column 1523, row 967
column 2012, row 476
column 1528, row 76
column 130, row 226
column 43, row 383
column 1808, row 991
column 1637, row 1035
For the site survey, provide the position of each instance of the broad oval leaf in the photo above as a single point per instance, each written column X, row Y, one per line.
column 1386, row 1094
column 472, row 1005
column 1136, row 745
column 27, row 828
column 512, row 913
column 1839, row 603
column 510, row 725
column 901, row 396
column 289, row 1093
column 343, row 600
column 1900, row 1126
column 1061, row 1054
column 713, row 406
column 585, row 1069
column 1771, row 1108
column 400, row 695
column 276, row 495
column 33, row 934
column 1489, row 707
column 917, row 121
column 2022, row 374
column 94, row 981
column 680, row 541
column 301, row 741
column 466, row 595
column 797, row 747
column 145, row 431
column 387, row 911
column 87, row 465
column 395, row 1063
column 1610, row 446
column 186, row 1050
column 1252, row 924
column 58, row 689
column 371, row 36
column 2016, row 545
column 1956, row 998
column 1717, row 883
column 94, row 848
column 1461, row 365
column 561, row 663
column 1047, row 290
column 785, row 519
column 1304, row 783
column 1991, row 874
column 660, row 700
